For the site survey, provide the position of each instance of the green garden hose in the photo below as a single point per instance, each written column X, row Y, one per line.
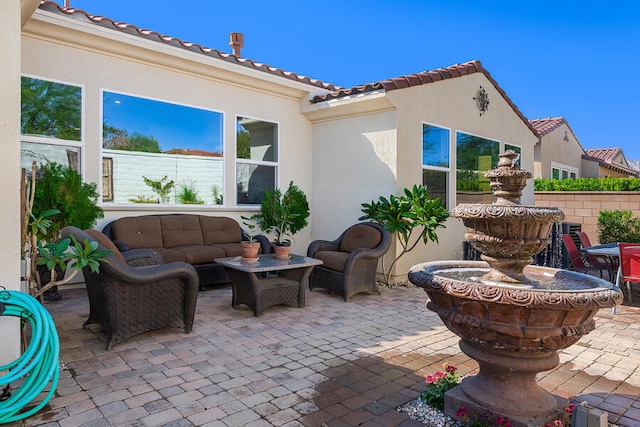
column 38, row 366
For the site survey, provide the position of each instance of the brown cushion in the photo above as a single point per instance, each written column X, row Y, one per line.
column 200, row 254
column 334, row 260
column 360, row 236
column 170, row 255
column 219, row 229
column 138, row 231
column 180, row 230
column 104, row 242
column 231, row 249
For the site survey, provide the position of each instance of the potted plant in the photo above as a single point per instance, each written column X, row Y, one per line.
column 251, row 247
column 60, row 198
column 283, row 215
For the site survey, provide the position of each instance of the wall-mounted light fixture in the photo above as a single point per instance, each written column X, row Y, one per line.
column 482, row 100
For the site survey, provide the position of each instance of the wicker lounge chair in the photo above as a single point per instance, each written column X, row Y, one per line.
column 350, row 261
column 136, row 294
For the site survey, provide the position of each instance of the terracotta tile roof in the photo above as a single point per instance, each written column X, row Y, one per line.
column 425, row 77
column 606, row 157
column 544, row 126
column 102, row 21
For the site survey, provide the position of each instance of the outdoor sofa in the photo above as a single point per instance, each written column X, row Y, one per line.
column 194, row 239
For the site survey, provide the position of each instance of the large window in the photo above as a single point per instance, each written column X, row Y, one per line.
column 475, row 156
column 158, row 152
column 256, row 159
column 435, row 161
column 50, row 122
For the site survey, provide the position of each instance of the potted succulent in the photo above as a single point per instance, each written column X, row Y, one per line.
column 251, row 247
column 60, row 198
column 283, row 215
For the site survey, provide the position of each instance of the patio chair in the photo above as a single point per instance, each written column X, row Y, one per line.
column 629, row 270
column 350, row 261
column 584, row 264
column 133, row 295
column 586, row 243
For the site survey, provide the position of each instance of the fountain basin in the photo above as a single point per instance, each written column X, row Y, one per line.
column 551, row 312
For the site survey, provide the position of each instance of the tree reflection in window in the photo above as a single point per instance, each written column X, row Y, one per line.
column 50, row 123
column 153, row 143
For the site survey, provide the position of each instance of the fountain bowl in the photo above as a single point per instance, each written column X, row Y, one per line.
column 553, row 311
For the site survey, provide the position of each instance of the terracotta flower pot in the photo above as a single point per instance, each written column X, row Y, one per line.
column 282, row 251
column 250, row 250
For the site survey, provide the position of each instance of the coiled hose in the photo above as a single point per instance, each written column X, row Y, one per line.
column 37, row 366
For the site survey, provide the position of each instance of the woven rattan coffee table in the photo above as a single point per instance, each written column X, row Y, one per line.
column 269, row 281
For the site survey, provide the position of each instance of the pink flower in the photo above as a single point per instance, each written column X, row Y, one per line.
column 558, row 423
column 569, row 409
column 503, row 422
column 461, row 412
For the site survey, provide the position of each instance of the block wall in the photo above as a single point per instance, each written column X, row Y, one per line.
column 583, row 207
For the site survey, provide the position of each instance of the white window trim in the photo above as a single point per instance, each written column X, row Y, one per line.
column 451, row 179
column 237, row 161
column 64, row 142
column 159, row 207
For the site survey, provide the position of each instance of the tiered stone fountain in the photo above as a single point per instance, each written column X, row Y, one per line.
column 512, row 317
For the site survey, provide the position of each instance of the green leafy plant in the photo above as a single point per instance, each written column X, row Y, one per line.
column 438, row 384
column 252, row 224
column 143, row 199
column 162, row 187
column 587, row 184
column 618, row 226
column 216, row 193
column 75, row 204
column 62, row 188
column 414, row 210
column 283, row 214
column 188, row 194
column 59, row 253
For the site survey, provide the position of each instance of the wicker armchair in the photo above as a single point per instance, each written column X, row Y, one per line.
column 350, row 261
column 137, row 294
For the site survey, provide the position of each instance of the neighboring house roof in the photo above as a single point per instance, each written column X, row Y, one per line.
column 611, row 158
column 102, row 21
column 545, row 126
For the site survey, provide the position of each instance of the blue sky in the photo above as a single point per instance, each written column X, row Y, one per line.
column 574, row 59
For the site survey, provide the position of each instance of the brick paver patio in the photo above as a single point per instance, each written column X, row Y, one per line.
column 329, row 364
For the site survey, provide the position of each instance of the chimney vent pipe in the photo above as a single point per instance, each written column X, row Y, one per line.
column 236, row 41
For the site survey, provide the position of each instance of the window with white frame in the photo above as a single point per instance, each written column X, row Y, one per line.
column 257, row 155
column 561, row 171
column 435, row 161
column 157, row 152
column 50, row 123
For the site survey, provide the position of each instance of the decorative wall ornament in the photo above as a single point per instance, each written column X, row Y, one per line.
column 482, row 100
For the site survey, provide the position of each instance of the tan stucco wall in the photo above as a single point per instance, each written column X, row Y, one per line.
column 147, row 69
column 10, row 24
column 384, row 151
column 583, row 207
column 554, row 148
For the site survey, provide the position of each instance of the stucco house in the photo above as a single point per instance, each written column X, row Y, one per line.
column 611, row 162
column 341, row 146
column 559, row 154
